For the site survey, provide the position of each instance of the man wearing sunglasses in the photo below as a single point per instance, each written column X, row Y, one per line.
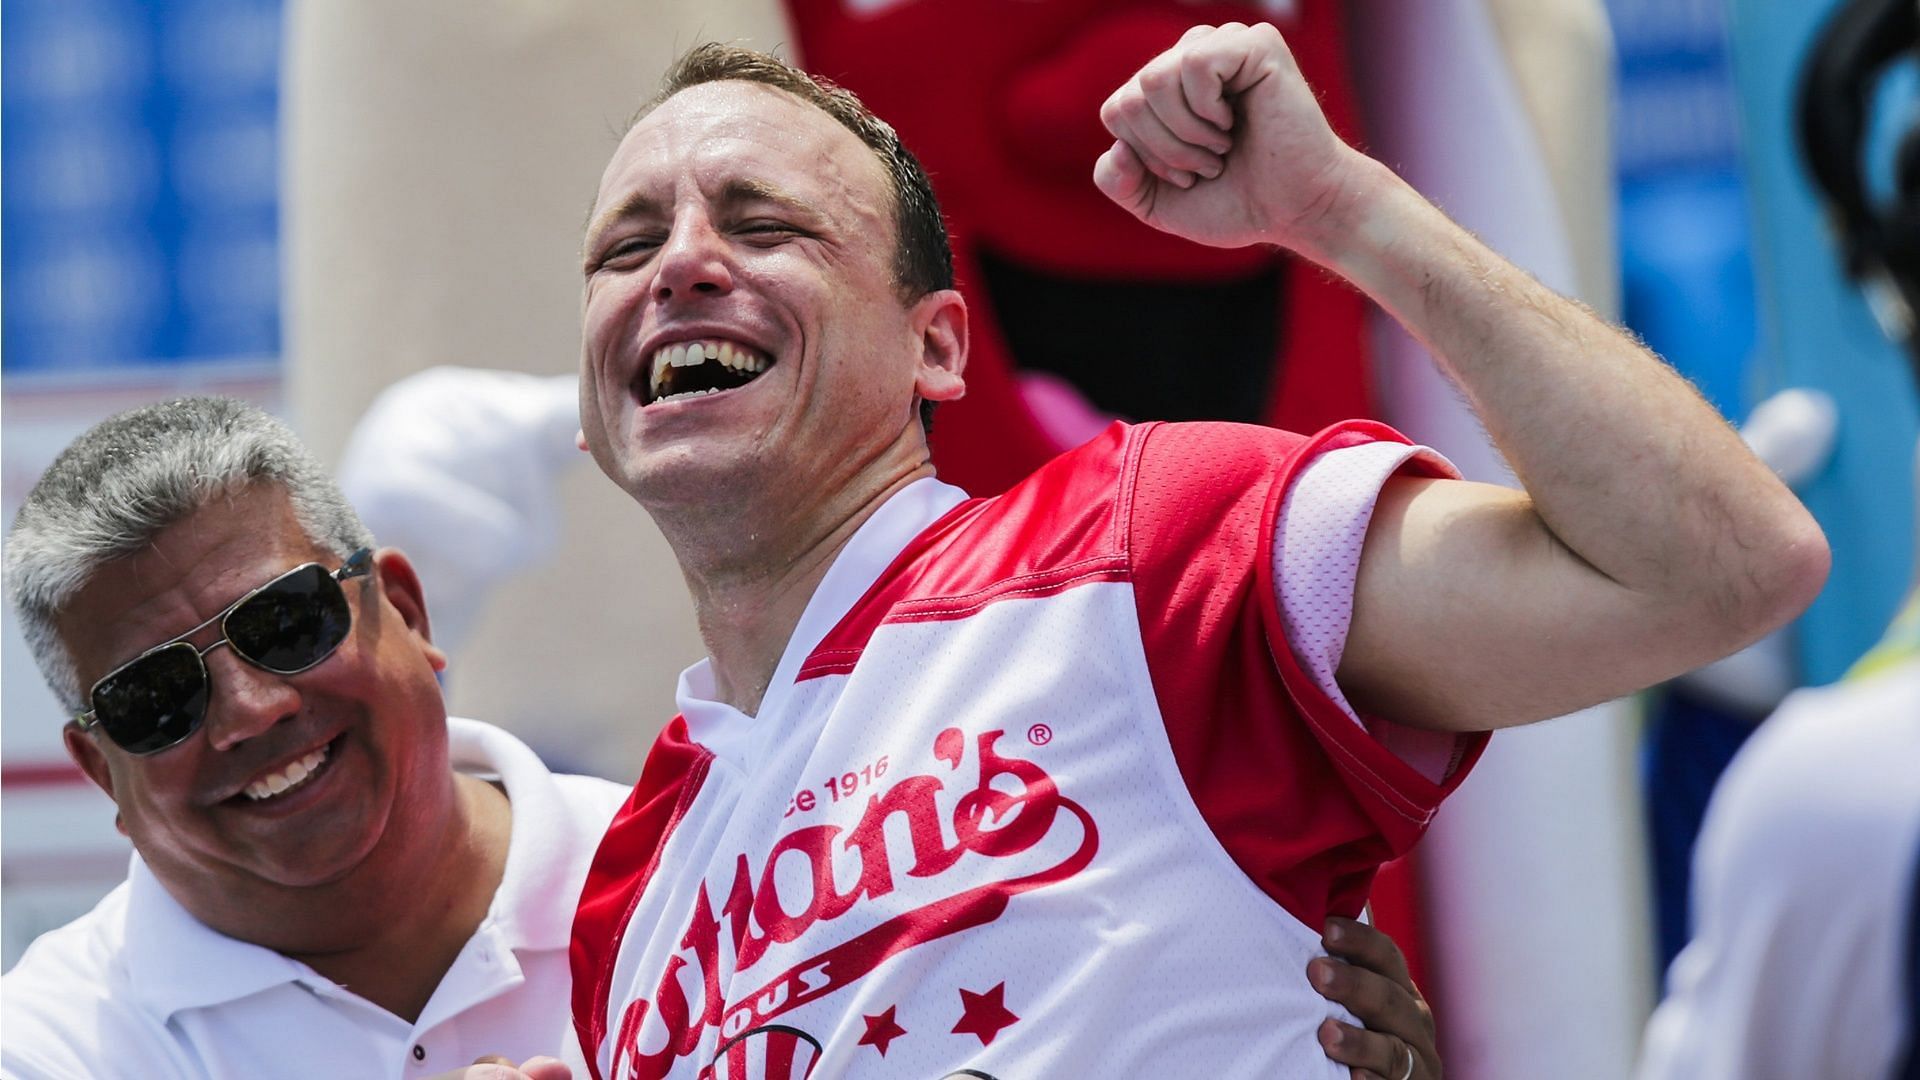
column 330, row 875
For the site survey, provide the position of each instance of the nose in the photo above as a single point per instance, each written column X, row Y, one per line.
column 694, row 261
column 246, row 701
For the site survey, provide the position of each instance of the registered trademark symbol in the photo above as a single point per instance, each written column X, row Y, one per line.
column 1039, row 734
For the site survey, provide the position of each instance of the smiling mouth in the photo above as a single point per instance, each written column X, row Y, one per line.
column 291, row 777
column 693, row 369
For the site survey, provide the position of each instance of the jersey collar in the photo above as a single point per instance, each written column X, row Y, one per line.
column 725, row 730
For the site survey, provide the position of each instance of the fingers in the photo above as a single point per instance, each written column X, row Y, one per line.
column 1379, row 1002
column 546, row 1068
column 1122, row 176
column 1174, row 112
column 1371, row 1054
column 1360, row 944
column 1368, row 975
column 1169, row 138
column 495, row 1067
column 491, row 1068
column 1205, row 76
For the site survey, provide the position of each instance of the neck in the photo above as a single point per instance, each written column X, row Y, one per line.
column 751, row 575
column 408, row 947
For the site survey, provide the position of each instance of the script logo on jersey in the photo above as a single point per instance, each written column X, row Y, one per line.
column 1013, row 816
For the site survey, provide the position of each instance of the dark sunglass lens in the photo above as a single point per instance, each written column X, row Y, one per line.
column 155, row 701
column 291, row 624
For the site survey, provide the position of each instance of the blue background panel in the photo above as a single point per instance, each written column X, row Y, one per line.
column 139, row 144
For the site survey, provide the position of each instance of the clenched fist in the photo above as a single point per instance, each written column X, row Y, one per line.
column 1220, row 140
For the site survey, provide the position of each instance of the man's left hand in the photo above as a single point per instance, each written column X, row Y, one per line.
column 1367, row 973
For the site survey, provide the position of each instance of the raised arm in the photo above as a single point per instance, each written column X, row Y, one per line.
column 1648, row 540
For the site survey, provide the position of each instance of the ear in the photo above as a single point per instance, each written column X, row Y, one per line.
column 87, row 754
column 401, row 586
column 940, row 320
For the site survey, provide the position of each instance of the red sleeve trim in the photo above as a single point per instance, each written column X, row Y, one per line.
column 1397, row 784
column 1301, row 797
column 628, row 857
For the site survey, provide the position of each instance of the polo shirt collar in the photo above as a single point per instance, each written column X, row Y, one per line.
column 543, row 847
column 175, row 961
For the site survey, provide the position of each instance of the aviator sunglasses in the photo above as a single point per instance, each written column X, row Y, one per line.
column 159, row 698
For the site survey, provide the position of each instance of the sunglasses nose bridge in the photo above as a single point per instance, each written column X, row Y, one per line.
column 246, row 700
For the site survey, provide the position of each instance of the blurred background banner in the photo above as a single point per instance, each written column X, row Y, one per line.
column 141, row 218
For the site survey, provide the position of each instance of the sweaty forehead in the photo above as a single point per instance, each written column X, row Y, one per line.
column 717, row 132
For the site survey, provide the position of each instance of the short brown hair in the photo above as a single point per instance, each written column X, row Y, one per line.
column 923, row 259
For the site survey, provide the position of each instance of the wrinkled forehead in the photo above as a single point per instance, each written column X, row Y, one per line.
column 187, row 573
column 714, row 132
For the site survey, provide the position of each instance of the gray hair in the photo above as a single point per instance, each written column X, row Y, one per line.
column 130, row 477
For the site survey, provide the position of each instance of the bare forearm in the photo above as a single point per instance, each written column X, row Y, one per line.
column 1626, row 466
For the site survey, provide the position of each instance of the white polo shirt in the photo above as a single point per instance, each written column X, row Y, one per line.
column 140, row 988
column 1803, row 886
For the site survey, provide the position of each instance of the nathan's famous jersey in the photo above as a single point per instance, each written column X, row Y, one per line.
column 1038, row 790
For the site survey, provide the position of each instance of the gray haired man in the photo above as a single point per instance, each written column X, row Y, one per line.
column 328, row 872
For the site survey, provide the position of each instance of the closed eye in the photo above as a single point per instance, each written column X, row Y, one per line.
column 761, row 231
column 629, row 250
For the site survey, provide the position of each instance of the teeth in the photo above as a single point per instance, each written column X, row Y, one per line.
column 689, row 394
column 692, row 354
column 290, row 777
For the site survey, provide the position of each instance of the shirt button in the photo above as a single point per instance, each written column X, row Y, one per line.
column 419, row 1052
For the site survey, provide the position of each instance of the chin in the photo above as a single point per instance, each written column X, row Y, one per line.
column 692, row 473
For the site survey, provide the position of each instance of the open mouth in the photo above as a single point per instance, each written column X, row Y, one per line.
column 691, row 369
column 290, row 777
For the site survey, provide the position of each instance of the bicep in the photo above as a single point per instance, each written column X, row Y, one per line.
column 1469, row 614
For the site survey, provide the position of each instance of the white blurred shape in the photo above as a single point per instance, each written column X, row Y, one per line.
column 459, row 468
column 1793, row 432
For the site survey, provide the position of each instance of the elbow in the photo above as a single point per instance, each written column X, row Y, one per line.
column 1786, row 575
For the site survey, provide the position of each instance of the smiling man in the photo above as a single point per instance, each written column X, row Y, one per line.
column 330, row 876
column 1067, row 781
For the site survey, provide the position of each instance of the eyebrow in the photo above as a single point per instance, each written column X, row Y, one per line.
column 734, row 194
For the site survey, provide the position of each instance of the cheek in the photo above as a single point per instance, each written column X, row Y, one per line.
column 153, row 807
column 607, row 314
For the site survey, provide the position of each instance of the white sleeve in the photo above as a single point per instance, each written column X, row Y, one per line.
column 1316, row 560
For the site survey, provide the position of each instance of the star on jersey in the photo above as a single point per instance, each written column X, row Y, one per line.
column 984, row 1015
column 881, row 1030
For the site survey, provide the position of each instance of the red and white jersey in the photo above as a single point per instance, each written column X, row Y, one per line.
column 1037, row 790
